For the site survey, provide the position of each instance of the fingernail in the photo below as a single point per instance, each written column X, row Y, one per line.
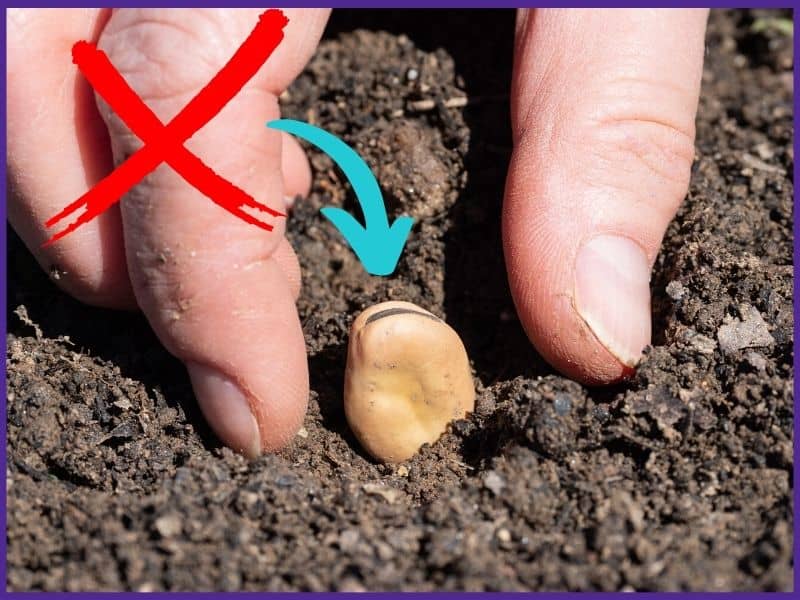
column 226, row 409
column 612, row 295
column 288, row 201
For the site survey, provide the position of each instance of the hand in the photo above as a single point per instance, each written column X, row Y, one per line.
column 219, row 293
column 603, row 109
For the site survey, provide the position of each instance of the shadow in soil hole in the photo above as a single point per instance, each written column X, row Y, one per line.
column 478, row 302
column 327, row 381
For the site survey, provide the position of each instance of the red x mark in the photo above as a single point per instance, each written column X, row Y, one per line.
column 165, row 143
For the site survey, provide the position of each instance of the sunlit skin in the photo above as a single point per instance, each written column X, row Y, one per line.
column 603, row 106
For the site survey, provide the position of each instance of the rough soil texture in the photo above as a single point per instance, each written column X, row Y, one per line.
column 680, row 479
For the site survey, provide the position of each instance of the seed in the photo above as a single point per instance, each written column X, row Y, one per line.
column 407, row 377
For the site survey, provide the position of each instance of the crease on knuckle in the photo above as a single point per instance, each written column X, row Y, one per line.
column 644, row 144
column 151, row 55
column 647, row 119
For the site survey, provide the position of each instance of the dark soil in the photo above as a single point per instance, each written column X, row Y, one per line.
column 680, row 479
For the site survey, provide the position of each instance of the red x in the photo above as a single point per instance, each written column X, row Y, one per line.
column 165, row 143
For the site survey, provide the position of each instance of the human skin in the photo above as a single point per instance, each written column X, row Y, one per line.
column 603, row 107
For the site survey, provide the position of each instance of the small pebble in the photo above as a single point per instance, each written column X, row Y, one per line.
column 562, row 404
column 412, row 74
column 697, row 341
column 350, row 585
column 676, row 290
column 764, row 151
column 169, row 525
column 494, row 482
column 503, row 535
column 756, row 361
column 485, row 405
column 348, row 540
column 387, row 493
column 285, row 481
column 384, row 551
column 123, row 404
column 752, row 331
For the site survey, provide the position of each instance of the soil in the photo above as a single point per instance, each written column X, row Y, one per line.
column 680, row 479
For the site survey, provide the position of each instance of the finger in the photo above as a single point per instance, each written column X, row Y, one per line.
column 603, row 107
column 218, row 292
column 57, row 149
column 296, row 170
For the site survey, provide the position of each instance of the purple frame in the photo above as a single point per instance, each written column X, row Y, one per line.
column 374, row 4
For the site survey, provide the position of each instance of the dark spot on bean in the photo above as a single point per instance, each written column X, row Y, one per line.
column 398, row 311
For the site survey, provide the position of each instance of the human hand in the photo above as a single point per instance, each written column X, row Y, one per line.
column 603, row 109
column 219, row 293
column 603, row 135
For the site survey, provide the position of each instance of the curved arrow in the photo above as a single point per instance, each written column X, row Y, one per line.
column 378, row 245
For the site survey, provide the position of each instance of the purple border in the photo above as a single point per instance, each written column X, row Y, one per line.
column 416, row 4
column 796, row 304
column 3, row 302
column 373, row 4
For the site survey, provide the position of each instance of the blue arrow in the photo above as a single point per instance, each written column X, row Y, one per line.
column 378, row 246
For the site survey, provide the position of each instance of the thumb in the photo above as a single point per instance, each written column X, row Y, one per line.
column 603, row 108
column 218, row 292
